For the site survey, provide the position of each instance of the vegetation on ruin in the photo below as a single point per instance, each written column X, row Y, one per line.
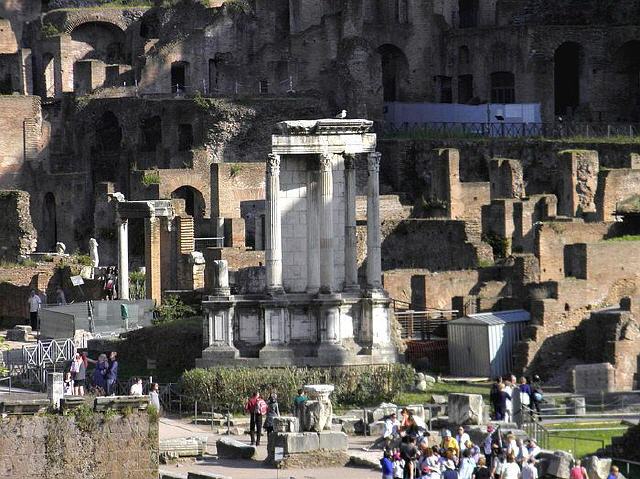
column 228, row 387
column 26, row 263
column 499, row 244
column 172, row 309
column 443, row 388
column 151, row 178
column 137, row 285
column 86, row 420
column 49, row 30
column 174, row 347
column 625, row 238
column 234, row 169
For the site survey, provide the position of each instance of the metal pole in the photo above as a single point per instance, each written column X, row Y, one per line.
column 212, row 416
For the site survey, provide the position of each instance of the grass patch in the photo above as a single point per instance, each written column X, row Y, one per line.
column 151, row 178
column 414, row 397
column 625, row 238
column 582, row 443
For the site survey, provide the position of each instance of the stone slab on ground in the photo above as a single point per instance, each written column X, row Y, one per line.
column 205, row 475
column 294, row 442
column 333, row 441
column 597, row 468
column 286, row 424
column 183, row 447
column 232, row 449
column 464, row 409
column 18, row 334
column 560, row 465
column 365, row 459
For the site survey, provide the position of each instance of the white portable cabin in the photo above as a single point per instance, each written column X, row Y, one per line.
column 482, row 344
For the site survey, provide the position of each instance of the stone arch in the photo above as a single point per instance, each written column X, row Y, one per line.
column 179, row 76
column 49, row 236
column 568, row 66
column 76, row 21
column 99, row 41
column 193, row 200
column 395, row 70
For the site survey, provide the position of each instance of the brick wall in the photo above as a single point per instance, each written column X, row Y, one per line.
column 552, row 237
column 21, row 120
column 424, row 289
column 615, row 186
column 436, row 245
column 17, row 234
column 233, row 183
column 52, row 446
column 612, row 260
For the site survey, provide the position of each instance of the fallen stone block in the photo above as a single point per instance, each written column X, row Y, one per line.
column 231, row 449
column 183, row 447
column 376, row 428
column 560, row 465
column 294, row 442
column 597, row 468
column 384, row 410
column 464, row 409
column 23, row 406
column 118, row 403
column 16, row 334
column 351, row 425
column 333, row 441
column 286, row 424
column 439, row 399
column 172, row 475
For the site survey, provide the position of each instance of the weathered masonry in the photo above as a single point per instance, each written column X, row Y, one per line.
column 313, row 310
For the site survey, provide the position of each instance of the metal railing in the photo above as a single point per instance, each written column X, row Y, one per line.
column 34, row 360
column 8, row 379
column 424, row 325
column 510, row 129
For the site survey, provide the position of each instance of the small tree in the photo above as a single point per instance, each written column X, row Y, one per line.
column 172, row 309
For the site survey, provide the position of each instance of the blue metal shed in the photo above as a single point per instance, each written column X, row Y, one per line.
column 482, row 344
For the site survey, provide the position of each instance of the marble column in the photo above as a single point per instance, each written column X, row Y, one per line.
column 374, row 260
column 123, row 258
column 273, row 240
column 350, row 241
column 326, row 224
column 313, row 233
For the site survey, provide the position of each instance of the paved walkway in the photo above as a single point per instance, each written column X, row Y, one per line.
column 255, row 469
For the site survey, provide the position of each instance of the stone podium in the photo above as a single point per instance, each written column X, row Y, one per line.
column 313, row 311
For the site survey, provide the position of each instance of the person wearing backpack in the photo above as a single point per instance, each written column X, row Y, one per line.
column 256, row 407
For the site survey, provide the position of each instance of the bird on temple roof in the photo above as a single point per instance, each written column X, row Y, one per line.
column 342, row 115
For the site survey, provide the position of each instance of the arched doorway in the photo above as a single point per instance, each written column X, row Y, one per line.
column 503, row 87
column 623, row 84
column 395, row 70
column 49, row 236
column 193, row 201
column 179, row 76
column 567, row 68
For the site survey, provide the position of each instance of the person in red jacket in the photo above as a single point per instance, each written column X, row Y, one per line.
column 256, row 407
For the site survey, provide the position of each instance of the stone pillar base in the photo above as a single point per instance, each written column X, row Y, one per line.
column 336, row 353
column 215, row 355
column 222, row 292
column 276, row 353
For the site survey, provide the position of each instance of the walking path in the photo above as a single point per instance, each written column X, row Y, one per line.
column 171, row 428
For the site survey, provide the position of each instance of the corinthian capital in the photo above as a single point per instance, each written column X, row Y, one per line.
column 325, row 162
column 349, row 161
column 373, row 163
column 273, row 164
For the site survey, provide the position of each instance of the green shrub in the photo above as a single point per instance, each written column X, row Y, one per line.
column 228, row 387
column 234, row 169
column 49, row 30
column 151, row 178
column 83, row 259
column 500, row 245
column 137, row 285
column 172, row 309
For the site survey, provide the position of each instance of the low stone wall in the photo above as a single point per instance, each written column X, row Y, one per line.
column 87, row 446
